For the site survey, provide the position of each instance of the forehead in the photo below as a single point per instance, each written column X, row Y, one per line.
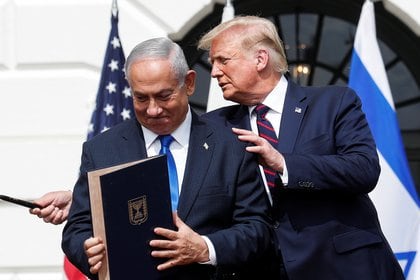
column 225, row 43
column 152, row 72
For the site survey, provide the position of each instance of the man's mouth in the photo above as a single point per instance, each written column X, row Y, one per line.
column 157, row 119
column 223, row 85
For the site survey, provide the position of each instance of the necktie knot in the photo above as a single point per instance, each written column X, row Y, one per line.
column 261, row 110
column 165, row 140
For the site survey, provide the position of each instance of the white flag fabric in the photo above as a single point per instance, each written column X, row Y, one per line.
column 215, row 98
column 395, row 195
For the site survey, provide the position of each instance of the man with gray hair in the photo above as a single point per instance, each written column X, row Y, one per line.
column 221, row 218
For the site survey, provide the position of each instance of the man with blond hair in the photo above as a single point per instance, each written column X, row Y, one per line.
column 318, row 158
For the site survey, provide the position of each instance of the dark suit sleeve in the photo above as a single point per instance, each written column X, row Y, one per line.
column 79, row 224
column 249, row 235
column 335, row 149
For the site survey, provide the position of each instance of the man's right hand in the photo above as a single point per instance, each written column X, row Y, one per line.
column 54, row 208
column 95, row 251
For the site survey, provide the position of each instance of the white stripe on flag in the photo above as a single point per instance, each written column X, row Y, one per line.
column 369, row 52
column 395, row 196
column 399, row 218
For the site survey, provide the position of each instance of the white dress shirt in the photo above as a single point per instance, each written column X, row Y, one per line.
column 179, row 150
column 179, row 147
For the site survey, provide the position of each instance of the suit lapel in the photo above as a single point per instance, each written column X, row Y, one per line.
column 239, row 117
column 200, row 153
column 294, row 109
column 133, row 143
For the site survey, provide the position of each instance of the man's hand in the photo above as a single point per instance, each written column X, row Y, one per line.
column 268, row 155
column 181, row 247
column 95, row 251
column 54, row 208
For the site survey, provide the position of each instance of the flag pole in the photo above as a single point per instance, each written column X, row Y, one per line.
column 114, row 8
column 228, row 11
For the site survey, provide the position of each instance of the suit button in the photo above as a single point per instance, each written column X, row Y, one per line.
column 276, row 224
column 306, row 184
column 302, row 184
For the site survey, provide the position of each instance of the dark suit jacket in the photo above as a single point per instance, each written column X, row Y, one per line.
column 326, row 225
column 221, row 196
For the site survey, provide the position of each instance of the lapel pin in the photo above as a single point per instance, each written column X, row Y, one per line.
column 206, row 146
column 298, row 110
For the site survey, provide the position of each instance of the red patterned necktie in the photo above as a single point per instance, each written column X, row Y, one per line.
column 266, row 131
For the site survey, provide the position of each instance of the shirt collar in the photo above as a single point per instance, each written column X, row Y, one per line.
column 181, row 134
column 275, row 99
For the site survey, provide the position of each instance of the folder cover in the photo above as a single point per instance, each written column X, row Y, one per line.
column 127, row 202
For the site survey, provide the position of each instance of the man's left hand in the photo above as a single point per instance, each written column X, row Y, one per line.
column 181, row 247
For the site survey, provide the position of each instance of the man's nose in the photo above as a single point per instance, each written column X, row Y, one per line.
column 153, row 109
column 215, row 71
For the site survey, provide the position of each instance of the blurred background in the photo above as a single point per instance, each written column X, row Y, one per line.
column 51, row 55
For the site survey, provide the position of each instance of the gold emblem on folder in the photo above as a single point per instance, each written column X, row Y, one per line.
column 137, row 210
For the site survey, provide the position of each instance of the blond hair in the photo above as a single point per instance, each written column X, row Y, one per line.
column 257, row 32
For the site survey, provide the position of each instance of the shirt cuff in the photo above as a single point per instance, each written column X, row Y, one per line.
column 285, row 175
column 212, row 252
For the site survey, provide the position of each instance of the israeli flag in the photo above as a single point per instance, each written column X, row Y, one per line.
column 395, row 195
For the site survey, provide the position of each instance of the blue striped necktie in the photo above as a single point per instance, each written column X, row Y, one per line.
column 266, row 131
column 165, row 142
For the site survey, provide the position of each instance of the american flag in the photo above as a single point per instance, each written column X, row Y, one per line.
column 113, row 101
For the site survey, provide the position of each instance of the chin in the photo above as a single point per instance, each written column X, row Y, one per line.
column 160, row 129
column 235, row 99
column 229, row 96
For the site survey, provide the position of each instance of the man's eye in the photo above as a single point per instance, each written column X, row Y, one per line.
column 140, row 98
column 224, row 61
column 165, row 97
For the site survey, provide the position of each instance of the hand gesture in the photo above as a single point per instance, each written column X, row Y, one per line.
column 268, row 155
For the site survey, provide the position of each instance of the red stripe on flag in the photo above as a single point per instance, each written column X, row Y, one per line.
column 72, row 273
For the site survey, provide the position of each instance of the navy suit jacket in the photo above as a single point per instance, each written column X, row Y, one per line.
column 221, row 197
column 326, row 226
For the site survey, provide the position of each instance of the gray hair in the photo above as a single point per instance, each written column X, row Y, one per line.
column 161, row 48
column 257, row 32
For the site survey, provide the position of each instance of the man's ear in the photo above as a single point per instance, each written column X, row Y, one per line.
column 262, row 57
column 189, row 82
